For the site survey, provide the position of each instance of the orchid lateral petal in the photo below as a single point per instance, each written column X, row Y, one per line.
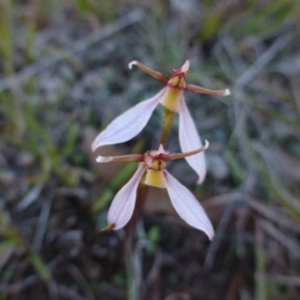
column 174, row 156
column 157, row 75
column 187, row 206
column 122, row 207
column 190, row 140
column 128, row 124
column 198, row 89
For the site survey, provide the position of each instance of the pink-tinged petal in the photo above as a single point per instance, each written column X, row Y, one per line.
column 187, row 206
column 128, row 124
column 185, row 67
column 122, row 207
column 190, row 140
column 161, row 151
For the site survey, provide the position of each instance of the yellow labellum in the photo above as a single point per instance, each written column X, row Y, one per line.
column 155, row 178
column 171, row 97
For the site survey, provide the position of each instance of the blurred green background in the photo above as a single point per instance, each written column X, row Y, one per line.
column 64, row 76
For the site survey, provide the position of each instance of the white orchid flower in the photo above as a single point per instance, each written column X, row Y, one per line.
column 132, row 121
column 154, row 164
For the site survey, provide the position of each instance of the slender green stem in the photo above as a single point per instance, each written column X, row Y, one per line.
column 131, row 286
column 132, row 289
column 168, row 119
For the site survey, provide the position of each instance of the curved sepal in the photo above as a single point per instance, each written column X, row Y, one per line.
column 128, row 124
column 187, row 206
column 189, row 140
column 122, row 207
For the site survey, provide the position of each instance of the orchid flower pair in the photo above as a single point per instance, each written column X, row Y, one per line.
column 154, row 164
column 131, row 122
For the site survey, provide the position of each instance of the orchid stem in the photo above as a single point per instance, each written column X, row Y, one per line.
column 168, row 119
column 132, row 288
column 130, row 229
column 131, row 283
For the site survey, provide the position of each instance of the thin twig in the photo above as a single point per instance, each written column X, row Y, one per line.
column 81, row 281
column 42, row 223
column 284, row 240
column 31, row 197
column 214, row 245
column 68, row 293
column 283, row 279
column 263, row 60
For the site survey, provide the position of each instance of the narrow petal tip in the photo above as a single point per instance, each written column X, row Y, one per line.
column 108, row 227
column 161, row 149
column 94, row 146
column 134, row 62
column 211, row 235
column 206, row 144
column 227, row 92
column 185, row 66
column 200, row 180
column 104, row 159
